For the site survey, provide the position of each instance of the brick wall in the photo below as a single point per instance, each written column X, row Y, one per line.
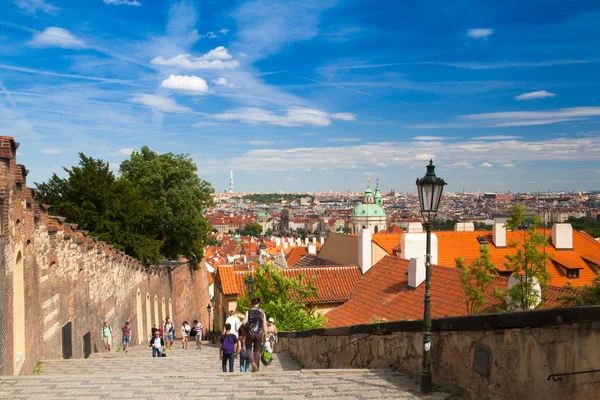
column 70, row 277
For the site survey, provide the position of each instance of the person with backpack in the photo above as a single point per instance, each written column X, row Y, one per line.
column 255, row 325
column 197, row 329
column 157, row 343
column 169, row 331
column 106, row 333
column 227, row 349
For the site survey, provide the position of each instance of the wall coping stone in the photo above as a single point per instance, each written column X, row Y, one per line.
column 513, row 320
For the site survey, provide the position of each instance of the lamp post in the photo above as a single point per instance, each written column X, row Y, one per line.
column 430, row 189
column 209, row 309
column 250, row 285
column 212, row 304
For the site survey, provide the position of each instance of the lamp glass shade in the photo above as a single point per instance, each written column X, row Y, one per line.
column 430, row 189
column 250, row 283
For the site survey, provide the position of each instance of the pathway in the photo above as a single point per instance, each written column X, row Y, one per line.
column 195, row 374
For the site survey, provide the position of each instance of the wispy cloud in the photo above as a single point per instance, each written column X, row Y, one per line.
column 432, row 138
column 159, row 103
column 191, row 84
column 509, row 165
column 52, row 151
column 218, row 58
column 516, row 118
column 291, row 117
column 540, row 94
column 33, row 6
column 479, row 33
column 496, row 137
column 123, row 2
column 345, row 140
column 486, row 165
column 125, row 151
column 56, row 37
column 344, row 116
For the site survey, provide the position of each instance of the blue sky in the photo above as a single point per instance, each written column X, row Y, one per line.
column 313, row 95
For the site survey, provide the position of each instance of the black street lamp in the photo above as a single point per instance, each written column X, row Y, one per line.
column 430, row 189
column 250, row 285
column 209, row 309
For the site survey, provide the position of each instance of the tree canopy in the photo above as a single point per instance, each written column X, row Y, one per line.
column 476, row 279
column 152, row 210
column 283, row 299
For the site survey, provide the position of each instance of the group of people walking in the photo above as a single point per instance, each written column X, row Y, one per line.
column 248, row 339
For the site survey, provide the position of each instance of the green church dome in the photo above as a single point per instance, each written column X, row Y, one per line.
column 368, row 210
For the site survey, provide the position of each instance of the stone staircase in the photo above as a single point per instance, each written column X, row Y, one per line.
column 197, row 374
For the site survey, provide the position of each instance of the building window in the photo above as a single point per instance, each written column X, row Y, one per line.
column 573, row 273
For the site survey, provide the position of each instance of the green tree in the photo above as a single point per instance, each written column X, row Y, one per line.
column 586, row 295
column 111, row 209
column 284, row 299
column 178, row 197
column 528, row 263
column 476, row 279
column 252, row 229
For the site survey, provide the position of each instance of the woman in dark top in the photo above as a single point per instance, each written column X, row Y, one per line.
column 255, row 324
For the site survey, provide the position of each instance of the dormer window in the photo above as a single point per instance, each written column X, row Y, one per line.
column 573, row 273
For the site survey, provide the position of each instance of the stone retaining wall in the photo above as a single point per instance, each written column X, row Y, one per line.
column 53, row 274
column 524, row 348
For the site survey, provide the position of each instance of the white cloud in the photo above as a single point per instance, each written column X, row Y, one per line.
column 292, row 117
column 218, row 58
column 224, row 82
column 192, row 84
column 33, row 6
column 122, row 2
column 345, row 140
column 461, row 164
column 479, row 33
column 486, row 165
column 496, row 137
column 224, row 31
column 429, row 138
column 344, row 116
column 540, row 94
column 125, row 151
column 52, row 151
column 158, row 103
column 259, row 142
column 509, row 165
column 56, row 37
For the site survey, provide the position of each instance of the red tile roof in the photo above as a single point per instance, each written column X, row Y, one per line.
column 295, row 255
column 383, row 292
column 387, row 241
column 334, row 284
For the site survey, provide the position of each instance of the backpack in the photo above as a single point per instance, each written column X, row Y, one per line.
column 229, row 344
column 255, row 320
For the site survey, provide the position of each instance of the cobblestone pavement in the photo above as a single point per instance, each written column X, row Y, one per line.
column 195, row 374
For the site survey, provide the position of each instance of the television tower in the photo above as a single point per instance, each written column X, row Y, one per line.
column 231, row 183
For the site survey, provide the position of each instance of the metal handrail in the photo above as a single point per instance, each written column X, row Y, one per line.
column 555, row 377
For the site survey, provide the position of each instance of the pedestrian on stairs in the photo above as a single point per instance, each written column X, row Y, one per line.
column 169, row 331
column 255, row 324
column 227, row 349
column 107, row 336
column 198, row 328
column 241, row 351
column 126, row 331
column 157, row 343
column 185, row 334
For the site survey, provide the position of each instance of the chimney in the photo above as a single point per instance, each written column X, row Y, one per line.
column 298, row 242
column 536, row 290
column 312, row 248
column 306, row 241
column 414, row 227
column 416, row 272
column 314, row 240
column 322, row 240
column 414, row 245
column 562, row 236
column 464, row 227
column 364, row 250
column 277, row 241
column 285, row 245
column 499, row 235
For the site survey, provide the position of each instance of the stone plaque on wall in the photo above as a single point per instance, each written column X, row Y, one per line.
column 481, row 365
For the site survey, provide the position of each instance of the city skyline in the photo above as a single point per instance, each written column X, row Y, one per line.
column 311, row 97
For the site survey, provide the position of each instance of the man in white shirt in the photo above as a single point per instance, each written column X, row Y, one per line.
column 235, row 323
